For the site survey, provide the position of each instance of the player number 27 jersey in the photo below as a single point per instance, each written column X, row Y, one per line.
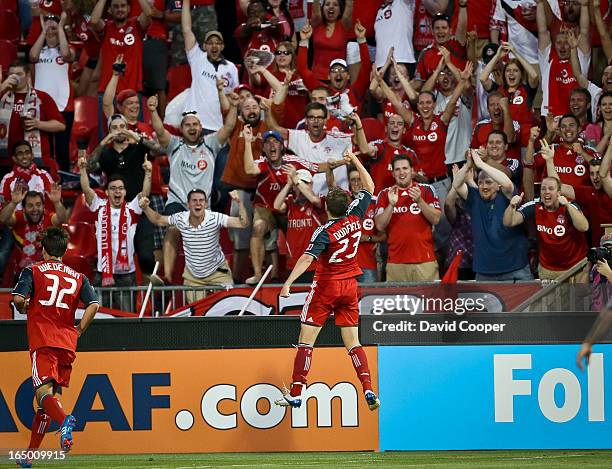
column 335, row 243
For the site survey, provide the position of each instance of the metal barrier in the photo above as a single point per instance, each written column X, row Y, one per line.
column 562, row 294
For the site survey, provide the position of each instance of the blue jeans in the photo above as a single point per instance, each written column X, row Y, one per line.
column 520, row 274
column 368, row 276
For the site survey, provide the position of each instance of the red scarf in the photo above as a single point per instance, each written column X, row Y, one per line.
column 25, row 173
column 107, row 249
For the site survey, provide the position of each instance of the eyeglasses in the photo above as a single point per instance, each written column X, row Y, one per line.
column 282, row 52
column 338, row 70
column 52, row 18
column 315, row 118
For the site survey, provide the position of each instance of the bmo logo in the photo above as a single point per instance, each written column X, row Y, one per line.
column 580, row 170
column 432, row 137
column 403, row 209
column 511, row 393
column 559, row 230
column 545, row 229
column 414, row 208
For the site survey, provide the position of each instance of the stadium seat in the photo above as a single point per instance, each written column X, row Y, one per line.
column 8, row 53
column 373, row 128
column 82, row 239
column 80, row 212
column 80, row 264
column 9, row 25
column 85, row 127
column 179, row 79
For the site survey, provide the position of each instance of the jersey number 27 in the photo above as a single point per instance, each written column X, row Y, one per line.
column 344, row 245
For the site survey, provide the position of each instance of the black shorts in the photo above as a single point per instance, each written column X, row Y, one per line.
column 154, row 64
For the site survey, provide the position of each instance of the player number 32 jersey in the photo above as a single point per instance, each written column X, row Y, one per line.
column 335, row 243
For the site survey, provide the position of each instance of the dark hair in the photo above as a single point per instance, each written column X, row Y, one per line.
column 440, row 17
column 315, row 106
column 499, row 132
column 20, row 63
column 290, row 48
column 21, row 143
column 430, row 93
column 570, row 116
column 55, row 241
column 340, row 14
column 582, row 91
column 195, row 191
column 285, row 11
column 116, row 177
column 401, row 157
column 338, row 202
column 605, row 94
column 255, row 2
column 492, row 94
column 520, row 67
column 31, row 194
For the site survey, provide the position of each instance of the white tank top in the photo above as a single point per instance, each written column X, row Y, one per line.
column 52, row 76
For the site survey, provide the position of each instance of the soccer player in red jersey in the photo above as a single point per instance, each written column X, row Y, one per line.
column 560, row 225
column 334, row 289
column 49, row 292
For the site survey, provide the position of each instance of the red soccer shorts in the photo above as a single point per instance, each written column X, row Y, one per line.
column 51, row 364
column 332, row 296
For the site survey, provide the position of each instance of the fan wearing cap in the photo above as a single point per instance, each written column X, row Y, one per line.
column 271, row 172
column 53, row 59
column 206, row 67
column 596, row 199
column 305, row 213
column 44, row 9
column 337, row 74
column 430, row 56
column 123, row 34
column 192, row 164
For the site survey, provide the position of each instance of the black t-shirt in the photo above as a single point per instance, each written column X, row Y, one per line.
column 127, row 164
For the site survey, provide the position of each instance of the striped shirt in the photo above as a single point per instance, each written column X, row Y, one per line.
column 203, row 254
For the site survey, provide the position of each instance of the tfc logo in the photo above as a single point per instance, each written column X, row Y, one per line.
column 517, row 100
column 59, row 60
column 368, row 224
column 388, row 14
column 414, row 208
column 202, row 164
column 129, row 39
column 559, row 230
column 432, row 137
column 579, row 170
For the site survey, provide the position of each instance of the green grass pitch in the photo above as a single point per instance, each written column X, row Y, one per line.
column 417, row 459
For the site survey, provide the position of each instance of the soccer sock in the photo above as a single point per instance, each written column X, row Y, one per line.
column 53, row 408
column 360, row 363
column 39, row 427
column 301, row 365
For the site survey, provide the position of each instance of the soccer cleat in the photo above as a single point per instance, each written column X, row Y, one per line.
column 65, row 432
column 372, row 400
column 288, row 400
column 24, row 462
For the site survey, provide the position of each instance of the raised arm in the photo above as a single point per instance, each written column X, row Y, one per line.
column 152, row 215
column 7, row 214
column 97, row 21
column 508, row 122
column 394, row 100
column 548, row 153
column 584, row 38
column 249, row 165
column 144, row 19
column 430, row 84
column 606, row 41
column 224, row 133
column 347, row 16
column 532, row 74
column 146, row 183
column 85, row 187
column 273, row 125
column 188, row 36
column 460, row 33
column 485, row 75
column 108, row 105
column 511, row 216
column 575, row 62
column 366, row 179
column 55, row 197
column 528, row 164
column 497, row 175
column 34, row 53
column 163, row 136
column 408, row 88
column 543, row 32
column 317, row 16
column 604, row 171
column 449, row 110
column 579, row 221
column 279, row 201
column 242, row 220
column 459, row 178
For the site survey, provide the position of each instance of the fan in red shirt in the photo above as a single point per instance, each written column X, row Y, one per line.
column 560, row 226
column 334, row 289
column 594, row 199
column 271, row 171
column 29, row 222
column 378, row 161
column 408, row 204
column 570, row 157
column 26, row 114
column 122, row 35
column 499, row 119
column 430, row 56
column 49, row 292
column 338, row 75
column 366, row 254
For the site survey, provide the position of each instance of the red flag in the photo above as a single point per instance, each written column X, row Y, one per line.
column 452, row 273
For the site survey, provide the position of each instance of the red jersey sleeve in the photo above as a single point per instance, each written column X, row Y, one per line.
column 429, row 196
column 308, row 77
column 49, row 110
column 363, row 78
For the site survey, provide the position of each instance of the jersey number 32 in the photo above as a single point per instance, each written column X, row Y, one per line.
column 56, row 295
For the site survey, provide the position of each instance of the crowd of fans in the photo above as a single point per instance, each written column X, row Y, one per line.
column 485, row 124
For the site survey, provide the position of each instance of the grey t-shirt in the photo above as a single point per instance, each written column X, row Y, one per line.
column 191, row 166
